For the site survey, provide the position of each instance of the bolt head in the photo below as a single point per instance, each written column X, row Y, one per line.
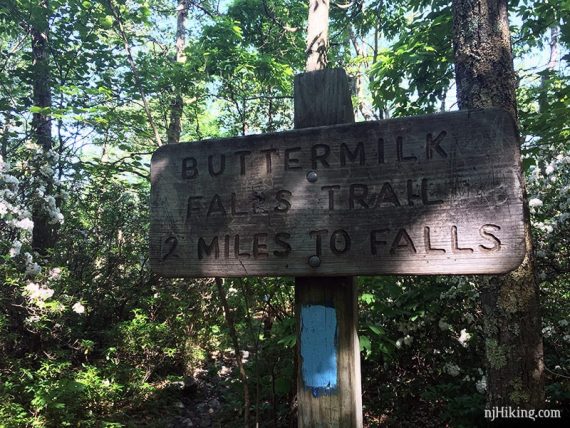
column 312, row 176
column 314, row 261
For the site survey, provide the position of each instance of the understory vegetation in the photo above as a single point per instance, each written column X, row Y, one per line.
column 89, row 336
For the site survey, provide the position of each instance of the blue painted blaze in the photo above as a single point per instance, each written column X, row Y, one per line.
column 318, row 348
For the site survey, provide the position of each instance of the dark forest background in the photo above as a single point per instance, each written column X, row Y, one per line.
column 89, row 336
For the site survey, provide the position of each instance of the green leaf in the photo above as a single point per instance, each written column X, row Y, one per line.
column 377, row 330
column 106, row 22
column 367, row 298
column 365, row 344
column 288, row 341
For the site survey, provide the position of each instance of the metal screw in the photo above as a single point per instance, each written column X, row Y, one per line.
column 314, row 261
column 312, row 176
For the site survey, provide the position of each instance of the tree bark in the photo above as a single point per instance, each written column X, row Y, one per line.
column 485, row 77
column 359, row 80
column 317, row 35
column 44, row 234
column 177, row 105
column 550, row 67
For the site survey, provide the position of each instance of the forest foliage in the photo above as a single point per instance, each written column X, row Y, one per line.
column 89, row 336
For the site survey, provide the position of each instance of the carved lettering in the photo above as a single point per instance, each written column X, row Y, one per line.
column 485, row 232
column 427, row 243
column 374, row 241
column 268, row 153
column 242, row 154
column 206, row 250
column 331, row 190
column 455, row 243
column 189, row 168
column 284, row 203
column 387, row 196
column 259, row 203
column 400, row 151
column 402, row 241
column 222, row 165
column 346, row 152
column 259, row 245
column 315, row 156
column 432, row 145
column 292, row 163
column 237, row 250
column 358, row 193
column 380, row 150
column 317, row 234
column 216, row 206
column 425, row 198
column 191, row 207
column 280, row 239
column 340, row 235
column 233, row 206
column 411, row 194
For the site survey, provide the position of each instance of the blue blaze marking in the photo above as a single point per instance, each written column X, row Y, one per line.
column 318, row 348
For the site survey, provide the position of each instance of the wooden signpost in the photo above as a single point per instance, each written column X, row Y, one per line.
column 438, row 194
column 326, row 308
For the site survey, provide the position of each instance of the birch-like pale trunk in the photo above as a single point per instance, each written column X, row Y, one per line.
column 177, row 105
column 317, row 35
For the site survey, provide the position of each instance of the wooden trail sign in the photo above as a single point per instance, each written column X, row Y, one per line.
column 438, row 194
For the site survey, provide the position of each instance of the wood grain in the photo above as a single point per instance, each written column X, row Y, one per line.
column 438, row 194
column 324, row 97
column 341, row 407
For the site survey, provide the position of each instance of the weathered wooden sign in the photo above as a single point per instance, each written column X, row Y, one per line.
column 438, row 194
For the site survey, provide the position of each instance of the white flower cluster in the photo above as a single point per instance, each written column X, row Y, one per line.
column 11, row 211
column 464, row 338
column 407, row 340
column 545, row 227
column 14, row 213
column 551, row 192
column 38, row 293
column 78, row 308
column 43, row 164
column 16, row 248
column 55, row 274
column 24, row 224
column 452, row 369
column 535, row 203
column 53, row 211
column 481, row 385
column 547, row 331
column 32, row 268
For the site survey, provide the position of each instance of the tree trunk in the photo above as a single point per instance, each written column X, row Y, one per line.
column 177, row 105
column 317, row 35
column 359, row 80
column 551, row 67
column 43, row 235
column 485, row 78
